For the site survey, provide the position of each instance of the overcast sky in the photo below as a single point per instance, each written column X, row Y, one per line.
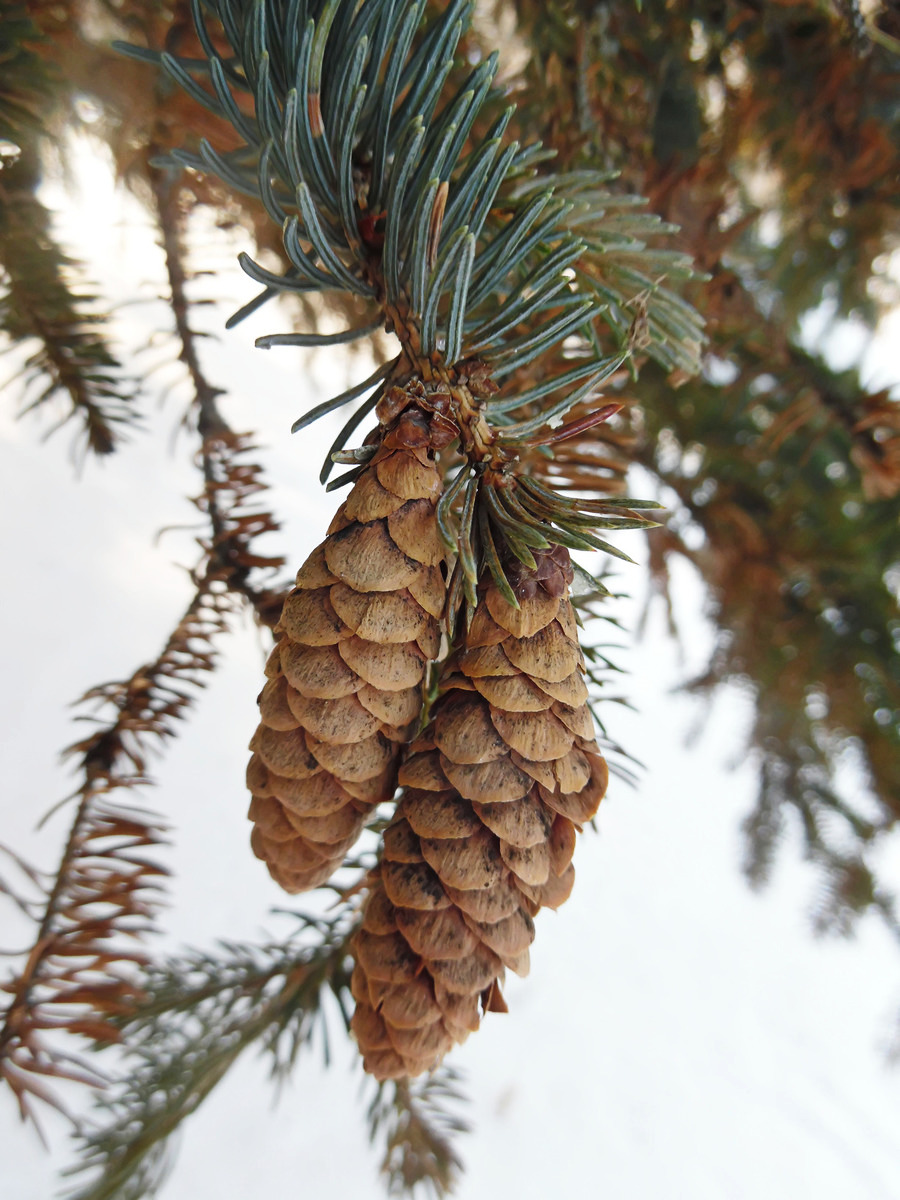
column 679, row 1036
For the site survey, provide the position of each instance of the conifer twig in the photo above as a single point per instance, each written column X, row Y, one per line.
column 37, row 303
column 74, row 359
column 196, row 1016
column 416, row 1122
column 72, row 980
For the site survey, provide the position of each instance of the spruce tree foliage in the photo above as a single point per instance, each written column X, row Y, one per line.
column 782, row 179
column 69, row 362
column 375, row 148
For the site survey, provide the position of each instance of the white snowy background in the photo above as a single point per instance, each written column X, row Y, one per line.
column 679, row 1037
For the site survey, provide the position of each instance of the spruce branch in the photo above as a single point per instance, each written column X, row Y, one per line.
column 73, row 360
column 103, row 892
column 796, row 461
column 229, row 482
column 417, row 1123
column 76, row 974
column 804, row 591
column 396, row 187
column 448, row 281
column 43, row 298
column 197, row 1014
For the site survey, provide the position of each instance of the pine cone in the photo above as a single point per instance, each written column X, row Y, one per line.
column 345, row 678
column 484, row 833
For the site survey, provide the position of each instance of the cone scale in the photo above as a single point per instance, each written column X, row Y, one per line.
column 345, row 678
column 494, row 791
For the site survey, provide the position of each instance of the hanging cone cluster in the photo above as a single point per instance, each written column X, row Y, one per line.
column 484, row 833
column 345, row 679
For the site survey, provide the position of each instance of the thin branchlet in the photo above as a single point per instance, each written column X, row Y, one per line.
column 196, row 1016
column 102, row 901
column 417, row 1123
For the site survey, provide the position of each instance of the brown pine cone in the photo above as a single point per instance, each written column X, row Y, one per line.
column 346, row 675
column 484, row 833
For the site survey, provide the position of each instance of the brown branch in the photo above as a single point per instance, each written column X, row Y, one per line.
column 99, row 889
column 78, row 973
